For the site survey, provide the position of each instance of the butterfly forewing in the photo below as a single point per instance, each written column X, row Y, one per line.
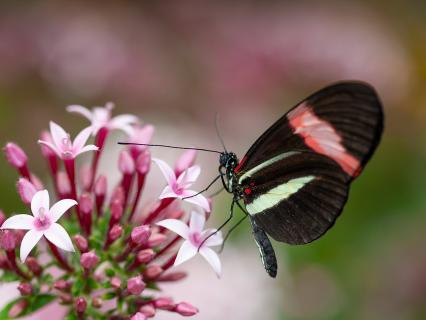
column 295, row 178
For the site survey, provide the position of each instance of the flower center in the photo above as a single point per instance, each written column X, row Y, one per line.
column 67, row 147
column 196, row 238
column 42, row 222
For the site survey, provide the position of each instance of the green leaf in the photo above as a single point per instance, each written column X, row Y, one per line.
column 8, row 276
column 34, row 303
column 110, row 272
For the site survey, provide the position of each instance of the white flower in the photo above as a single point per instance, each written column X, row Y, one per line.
column 100, row 117
column 178, row 186
column 194, row 237
column 62, row 144
column 42, row 223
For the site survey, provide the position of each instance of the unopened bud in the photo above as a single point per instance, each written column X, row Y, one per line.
column 26, row 190
column 118, row 195
column 140, row 234
column 135, row 285
column 138, row 316
column 33, row 266
column 89, row 260
column 101, row 186
column 81, row 243
column 173, row 276
column 164, row 303
column 115, row 232
column 143, row 163
column 17, row 308
column 126, row 163
column 80, row 305
column 15, row 155
column 156, row 239
column 86, row 203
column 116, row 282
column 62, row 285
column 148, row 310
column 116, row 210
column 145, row 256
column 25, row 289
column 185, row 309
column 153, row 272
column 97, row 302
column 86, row 176
column 7, row 240
column 63, row 183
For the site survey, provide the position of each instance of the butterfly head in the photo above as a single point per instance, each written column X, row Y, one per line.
column 228, row 160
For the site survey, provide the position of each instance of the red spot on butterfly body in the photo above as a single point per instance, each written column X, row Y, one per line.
column 247, row 191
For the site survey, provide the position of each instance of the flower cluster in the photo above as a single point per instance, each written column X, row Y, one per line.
column 93, row 250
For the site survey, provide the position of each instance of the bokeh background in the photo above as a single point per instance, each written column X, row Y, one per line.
column 177, row 63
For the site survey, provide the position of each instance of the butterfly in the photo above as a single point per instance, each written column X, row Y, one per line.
column 294, row 180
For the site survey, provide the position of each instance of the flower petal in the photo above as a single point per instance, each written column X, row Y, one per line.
column 199, row 199
column 185, row 160
column 60, row 207
column 123, row 120
column 166, row 170
column 212, row 258
column 168, row 193
column 81, row 139
column 19, row 222
column 176, row 226
column 51, row 147
column 40, row 200
column 186, row 252
column 214, row 240
column 198, row 219
column 59, row 237
column 80, row 110
column 28, row 242
column 189, row 176
column 87, row 148
column 58, row 134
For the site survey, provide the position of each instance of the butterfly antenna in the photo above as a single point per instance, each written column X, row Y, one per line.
column 216, row 124
column 168, row 146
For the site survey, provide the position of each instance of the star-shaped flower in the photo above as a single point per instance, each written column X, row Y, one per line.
column 194, row 237
column 100, row 117
column 178, row 187
column 64, row 147
column 42, row 223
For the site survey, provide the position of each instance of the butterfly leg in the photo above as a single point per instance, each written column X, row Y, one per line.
column 230, row 231
column 266, row 250
column 231, row 214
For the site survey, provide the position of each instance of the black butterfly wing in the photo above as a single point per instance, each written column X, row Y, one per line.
column 343, row 121
column 296, row 176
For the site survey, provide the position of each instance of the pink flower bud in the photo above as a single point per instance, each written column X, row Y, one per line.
column 80, row 305
column 135, row 285
column 118, row 195
column 116, row 211
column 17, row 308
column 86, row 203
column 116, row 282
column 2, row 217
column 140, row 234
column 186, row 310
column 62, row 285
column 89, row 260
column 143, row 163
column 25, row 289
column 81, row 243
column 7, row 240
column 33, row 266
column 139, row 316
column 185, row 161
column 156, row 239
column 101, row 186
column 65, row 298
column 145, row 256
column 115, row 232
column 164, row 303
column 86, row 176
column 15, row 155
column 126, row 163
column 173, row 276
column 153, row 271
column 63, row 183
column 97, row 302
column 148, row 310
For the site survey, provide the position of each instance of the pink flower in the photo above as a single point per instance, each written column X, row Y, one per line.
column 178, row 186
column 185, row 161
column 42, row 223
column 100, row 117
column 64, row 147
column 140, row 135
column 194, row 236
